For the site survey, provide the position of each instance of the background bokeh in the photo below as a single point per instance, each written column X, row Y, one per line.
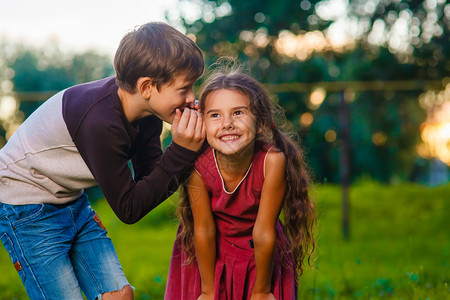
column 364, row 84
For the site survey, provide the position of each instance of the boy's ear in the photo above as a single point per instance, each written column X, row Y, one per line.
column 144, row 87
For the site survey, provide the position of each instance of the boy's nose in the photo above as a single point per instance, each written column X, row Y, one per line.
column 190, row 97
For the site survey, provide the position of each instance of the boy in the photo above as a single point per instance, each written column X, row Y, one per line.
column 84, row 136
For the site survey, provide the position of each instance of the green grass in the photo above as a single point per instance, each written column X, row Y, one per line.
column 399, row 247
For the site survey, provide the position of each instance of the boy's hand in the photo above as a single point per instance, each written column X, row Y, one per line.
column 188, row 129
column 195, row 105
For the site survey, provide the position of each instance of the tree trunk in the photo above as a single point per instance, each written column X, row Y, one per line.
column 344, row 116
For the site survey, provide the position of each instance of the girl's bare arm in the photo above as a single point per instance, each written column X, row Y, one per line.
column 204, row 233
column 264, row 232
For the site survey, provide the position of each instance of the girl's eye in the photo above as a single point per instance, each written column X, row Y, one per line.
column 238, row 112
column 215, row 115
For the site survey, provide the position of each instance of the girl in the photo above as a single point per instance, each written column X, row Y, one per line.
column 231, row 243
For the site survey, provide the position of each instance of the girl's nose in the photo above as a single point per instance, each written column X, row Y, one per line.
column 227, row 123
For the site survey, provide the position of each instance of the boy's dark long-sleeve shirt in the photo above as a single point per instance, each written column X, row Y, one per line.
column 79, row 138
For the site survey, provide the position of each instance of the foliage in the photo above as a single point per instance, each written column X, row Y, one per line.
column 375, row 49
column 49, row 69
column 399, row 248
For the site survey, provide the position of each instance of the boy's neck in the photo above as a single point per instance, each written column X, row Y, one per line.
column 131, row 105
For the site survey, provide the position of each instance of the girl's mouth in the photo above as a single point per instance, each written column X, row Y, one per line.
column 229, row 137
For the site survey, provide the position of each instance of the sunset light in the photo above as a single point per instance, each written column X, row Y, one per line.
column 435, row 131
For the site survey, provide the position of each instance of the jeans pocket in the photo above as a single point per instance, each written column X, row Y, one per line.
column 9, row 246
column 2, row 213
column 23, row 214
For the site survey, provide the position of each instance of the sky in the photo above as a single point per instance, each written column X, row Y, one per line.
column 77, row 25
column 99, row 24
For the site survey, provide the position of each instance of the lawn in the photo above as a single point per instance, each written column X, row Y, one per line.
column 399, row 247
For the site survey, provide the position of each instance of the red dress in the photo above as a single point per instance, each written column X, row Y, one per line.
column 235, row 214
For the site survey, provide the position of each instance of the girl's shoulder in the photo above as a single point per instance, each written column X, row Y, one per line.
column 265, row 147
column 265, row 155
column 265, row 150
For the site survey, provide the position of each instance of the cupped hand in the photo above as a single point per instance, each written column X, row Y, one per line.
column 195, row 105
column 188, row 129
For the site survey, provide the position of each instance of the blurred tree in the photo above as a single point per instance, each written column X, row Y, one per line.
column 89, row 66
column 49, row 69
column 327, row 41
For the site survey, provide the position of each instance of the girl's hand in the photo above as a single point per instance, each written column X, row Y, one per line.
column 263, row 296
column 206, row 297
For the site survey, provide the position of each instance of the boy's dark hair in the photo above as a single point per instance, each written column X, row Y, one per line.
column 159, row 51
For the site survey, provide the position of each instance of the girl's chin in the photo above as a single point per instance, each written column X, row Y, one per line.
column 227, row 149
column 230, row 148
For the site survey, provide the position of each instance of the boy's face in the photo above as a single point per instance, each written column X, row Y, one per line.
column 230, row 124
column 177, row 94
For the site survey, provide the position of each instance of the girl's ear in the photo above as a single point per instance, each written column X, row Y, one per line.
column 145, row 87
column 260, row 129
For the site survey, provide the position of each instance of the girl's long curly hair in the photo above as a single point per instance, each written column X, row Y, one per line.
column 298, row 209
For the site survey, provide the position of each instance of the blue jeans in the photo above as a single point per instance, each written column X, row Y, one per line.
column 59, row 250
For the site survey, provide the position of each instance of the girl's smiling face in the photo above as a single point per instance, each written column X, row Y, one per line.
column 230, row 124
